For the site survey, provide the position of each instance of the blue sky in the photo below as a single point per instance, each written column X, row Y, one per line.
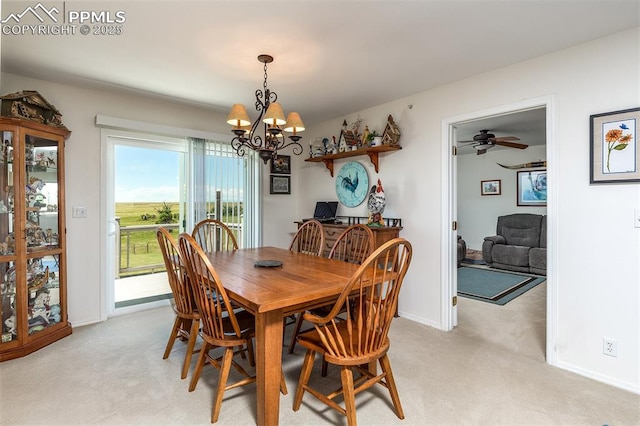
column 146, row 175
column 152, row 175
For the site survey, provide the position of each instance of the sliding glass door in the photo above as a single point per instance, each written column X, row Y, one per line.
column 151, row 181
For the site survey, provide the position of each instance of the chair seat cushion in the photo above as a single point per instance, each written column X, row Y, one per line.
column 511, row 255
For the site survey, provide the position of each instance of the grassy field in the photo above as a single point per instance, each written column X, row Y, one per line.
column 140, row 248
column 142, row 245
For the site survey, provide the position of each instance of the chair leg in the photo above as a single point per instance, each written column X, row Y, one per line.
column 296, row 331
column 325, row 364
column 349, row 395
column 225, row 366
column 252, row 358
column 283, row 384
column 193, row 336
column 172, row 337
column 305, row 373
column 391, row 385
column 199, row 365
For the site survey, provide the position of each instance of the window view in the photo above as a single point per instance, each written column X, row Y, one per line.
column 158, row 187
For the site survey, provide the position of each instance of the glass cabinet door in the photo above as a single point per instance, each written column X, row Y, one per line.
column 7, row 241
column 41, row 192
column 41, row 232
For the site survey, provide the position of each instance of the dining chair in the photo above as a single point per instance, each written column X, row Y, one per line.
column 353, row 245
column 213, row 235
column 355, row 343
column 222, row 327
column 309, row 238
column 187, row 322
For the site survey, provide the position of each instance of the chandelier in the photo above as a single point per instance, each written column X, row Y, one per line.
column 265, row 134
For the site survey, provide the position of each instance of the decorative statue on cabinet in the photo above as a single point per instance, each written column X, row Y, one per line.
column 376, row 204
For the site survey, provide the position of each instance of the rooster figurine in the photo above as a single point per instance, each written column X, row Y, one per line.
column 376, row 204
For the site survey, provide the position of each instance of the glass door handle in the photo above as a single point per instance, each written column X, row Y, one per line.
column 113, row 227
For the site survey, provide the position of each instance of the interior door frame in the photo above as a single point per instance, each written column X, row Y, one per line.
column 449, row 314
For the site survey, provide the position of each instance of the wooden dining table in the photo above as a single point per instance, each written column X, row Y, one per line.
column 271, row 293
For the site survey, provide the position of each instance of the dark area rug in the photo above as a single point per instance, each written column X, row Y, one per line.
column 493, row 286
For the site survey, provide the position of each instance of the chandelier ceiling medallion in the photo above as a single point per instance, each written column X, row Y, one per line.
column 268, row 140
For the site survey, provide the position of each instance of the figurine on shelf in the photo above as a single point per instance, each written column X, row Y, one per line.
column 376, row 205
column 39, row 313
column 35, row 185
column 365, row 136
column 391, row 135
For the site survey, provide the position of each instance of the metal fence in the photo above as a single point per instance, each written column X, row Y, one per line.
column 145, row 256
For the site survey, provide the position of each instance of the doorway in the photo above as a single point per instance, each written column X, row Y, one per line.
column 451, row 129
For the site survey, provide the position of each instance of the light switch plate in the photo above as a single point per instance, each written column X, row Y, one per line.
column 78, row 211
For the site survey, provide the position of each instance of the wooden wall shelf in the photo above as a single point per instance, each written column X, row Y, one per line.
column 372, row 152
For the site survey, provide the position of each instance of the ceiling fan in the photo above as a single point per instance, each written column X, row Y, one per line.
column 484, row 141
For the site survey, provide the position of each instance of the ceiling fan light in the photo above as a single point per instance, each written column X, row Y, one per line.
column 483, row 146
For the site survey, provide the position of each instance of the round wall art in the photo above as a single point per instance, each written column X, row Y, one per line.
column 352, row 184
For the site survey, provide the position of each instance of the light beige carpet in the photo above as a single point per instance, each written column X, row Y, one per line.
column 488, row 371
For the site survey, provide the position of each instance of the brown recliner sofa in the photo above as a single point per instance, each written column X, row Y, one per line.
column 520, row 244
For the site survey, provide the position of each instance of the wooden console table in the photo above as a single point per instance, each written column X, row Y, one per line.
column 382, row 234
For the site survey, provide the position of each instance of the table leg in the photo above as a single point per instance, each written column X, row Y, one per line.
column 268, row 365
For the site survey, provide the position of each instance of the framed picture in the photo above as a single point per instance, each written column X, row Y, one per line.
column 281, row 164
column 490, row 187
column 532, row 188
column 615, row 154
column 280, row 184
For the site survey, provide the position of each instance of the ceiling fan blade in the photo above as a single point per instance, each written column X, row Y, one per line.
column 511, row 144
column 506, row 138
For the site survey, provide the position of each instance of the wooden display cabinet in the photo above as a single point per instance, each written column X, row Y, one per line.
column 33, row 285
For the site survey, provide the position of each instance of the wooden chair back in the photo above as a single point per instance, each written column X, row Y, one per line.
column 353, row 245
column 309, row 238
column 176, row 273
column 369, row 308
column 213, row 235
column 211, row 297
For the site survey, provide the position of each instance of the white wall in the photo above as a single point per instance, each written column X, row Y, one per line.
column 79, row 107
column 477, row 214
column 597, row 249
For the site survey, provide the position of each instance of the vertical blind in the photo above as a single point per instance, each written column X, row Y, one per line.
column 225, row 187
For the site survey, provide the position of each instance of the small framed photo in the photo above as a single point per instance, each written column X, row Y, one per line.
column 490, row 187
column 281, row 165
column 615, row 154
column 280, row 184
column 532, row 188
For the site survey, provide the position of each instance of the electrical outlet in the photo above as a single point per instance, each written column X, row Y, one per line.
column 610, row 347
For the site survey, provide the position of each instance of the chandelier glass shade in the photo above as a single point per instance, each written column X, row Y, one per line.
column 265, row 134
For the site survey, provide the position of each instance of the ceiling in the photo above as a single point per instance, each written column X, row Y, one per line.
column 331, row 57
